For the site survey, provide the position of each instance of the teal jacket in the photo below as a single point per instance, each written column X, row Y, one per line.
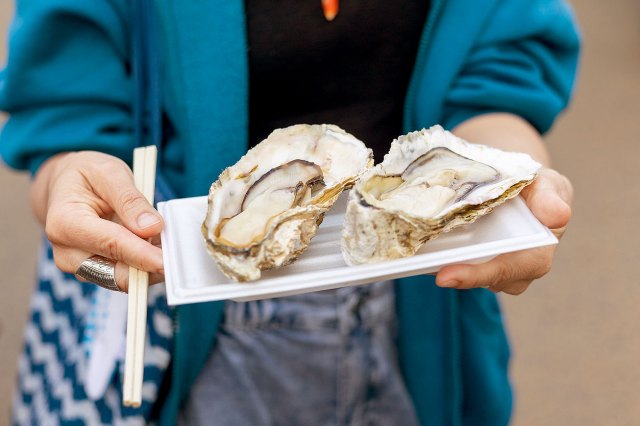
column 68, row 86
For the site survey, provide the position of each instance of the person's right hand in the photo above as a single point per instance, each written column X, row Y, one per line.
column 89, row 205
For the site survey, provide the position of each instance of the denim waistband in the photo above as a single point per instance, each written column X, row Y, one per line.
column 344, row 308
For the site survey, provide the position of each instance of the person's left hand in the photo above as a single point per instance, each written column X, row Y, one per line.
column 549, row 197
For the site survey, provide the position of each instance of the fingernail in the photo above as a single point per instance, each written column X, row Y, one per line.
column 145, row 220
column 450, row 283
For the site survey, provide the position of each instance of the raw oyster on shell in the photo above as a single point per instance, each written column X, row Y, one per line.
column 264, row 210
column 429, row 183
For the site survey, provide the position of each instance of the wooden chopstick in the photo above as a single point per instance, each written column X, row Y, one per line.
column 144, row 174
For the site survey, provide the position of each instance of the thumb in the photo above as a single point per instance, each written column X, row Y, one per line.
column 132, row 208
column 549, row 198
column 135, row 212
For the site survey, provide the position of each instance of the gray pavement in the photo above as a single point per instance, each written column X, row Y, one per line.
column 575, row 333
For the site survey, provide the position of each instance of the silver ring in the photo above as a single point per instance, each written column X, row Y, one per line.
column 99, row 270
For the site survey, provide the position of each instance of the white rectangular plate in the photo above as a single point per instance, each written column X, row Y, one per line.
column 192, row 276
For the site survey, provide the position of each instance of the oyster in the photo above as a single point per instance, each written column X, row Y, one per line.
column 264, row 210
column 430, row 182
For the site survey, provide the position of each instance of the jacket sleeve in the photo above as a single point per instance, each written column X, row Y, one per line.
column 66, row 85
column 524, row 62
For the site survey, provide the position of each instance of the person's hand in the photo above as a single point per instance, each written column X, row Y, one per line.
column 549, row 197
column 89, row 205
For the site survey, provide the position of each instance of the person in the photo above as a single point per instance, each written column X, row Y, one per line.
column 496, row 72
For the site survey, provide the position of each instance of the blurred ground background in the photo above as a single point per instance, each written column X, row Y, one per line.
column 575, row 333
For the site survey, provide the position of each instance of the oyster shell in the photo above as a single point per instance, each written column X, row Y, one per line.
column 430, row 182
column 264, row 210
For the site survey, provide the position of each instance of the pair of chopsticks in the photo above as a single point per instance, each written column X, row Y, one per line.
column 144, row 175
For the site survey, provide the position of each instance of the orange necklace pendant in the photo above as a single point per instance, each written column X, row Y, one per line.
column 330, row 9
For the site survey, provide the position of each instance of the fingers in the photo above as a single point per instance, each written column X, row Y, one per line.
column 91, row 234
column 515, row 288
column 85, row 189
column 511, row 272
column 69, row 260
column 113, row 182
column 549, row 199
column 122, row 277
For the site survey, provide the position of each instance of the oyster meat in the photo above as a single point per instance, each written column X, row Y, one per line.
column 264, row 210
column 430, row 182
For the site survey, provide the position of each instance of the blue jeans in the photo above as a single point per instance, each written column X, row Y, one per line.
column 325, row 358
